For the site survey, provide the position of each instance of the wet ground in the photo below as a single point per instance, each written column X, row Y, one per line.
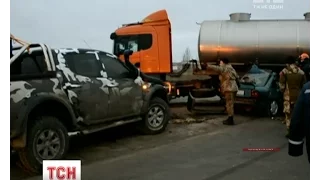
column 216, row 155
column 125, row 141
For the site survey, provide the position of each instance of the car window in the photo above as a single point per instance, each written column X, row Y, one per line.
column 114, row 67
column 258, row 79
column 84, row 64
column 29, row 64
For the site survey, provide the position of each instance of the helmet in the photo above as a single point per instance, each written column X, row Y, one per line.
column 304, row 55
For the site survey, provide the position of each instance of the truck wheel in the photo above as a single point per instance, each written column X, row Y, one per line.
column 190, row 103
column 47, row 139
column 157, row 117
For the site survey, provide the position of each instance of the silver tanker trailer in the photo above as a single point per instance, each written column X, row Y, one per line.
column 243, row 40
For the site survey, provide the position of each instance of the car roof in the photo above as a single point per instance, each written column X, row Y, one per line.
column 86, row 50
column 78, row 49
column 256, row 70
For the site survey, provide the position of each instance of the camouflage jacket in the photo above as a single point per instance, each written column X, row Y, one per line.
column 227, row 77
column 292, row 78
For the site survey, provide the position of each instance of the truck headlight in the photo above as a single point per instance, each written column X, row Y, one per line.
column 146, row 86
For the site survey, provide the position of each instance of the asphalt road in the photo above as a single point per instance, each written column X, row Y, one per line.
column 210, row 156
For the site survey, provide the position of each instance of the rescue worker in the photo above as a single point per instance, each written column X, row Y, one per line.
column 304, row 64
column 292, row 78
column 228, row 86
column 300, row 124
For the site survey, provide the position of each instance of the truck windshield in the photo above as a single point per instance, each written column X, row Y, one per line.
column 122, row 43
column 132, row 42
column 258, row 79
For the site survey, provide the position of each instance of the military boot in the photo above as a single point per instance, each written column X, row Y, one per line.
column 228, row 121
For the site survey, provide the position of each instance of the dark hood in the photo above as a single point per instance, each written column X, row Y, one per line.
column 135, row 71
column 151, row 79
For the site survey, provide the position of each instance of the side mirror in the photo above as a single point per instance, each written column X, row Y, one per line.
column 127, row 54
column 113, row 36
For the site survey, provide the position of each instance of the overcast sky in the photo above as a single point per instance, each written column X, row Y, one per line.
column 67, row 23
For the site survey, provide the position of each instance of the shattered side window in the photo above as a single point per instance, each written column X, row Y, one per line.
column 83, row 64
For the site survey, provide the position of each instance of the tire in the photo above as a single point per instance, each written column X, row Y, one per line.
column 189, row 103
column 156, row 106
column 273, row 108
column 30, row 158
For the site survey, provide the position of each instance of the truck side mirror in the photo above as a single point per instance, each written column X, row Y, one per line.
column 133, row 70
column 113, row 36
column 127, row 54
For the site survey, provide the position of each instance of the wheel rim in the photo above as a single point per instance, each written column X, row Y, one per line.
column 155, row 116
column 274, row 107
column 48, row 144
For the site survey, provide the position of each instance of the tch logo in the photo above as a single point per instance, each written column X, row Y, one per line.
column 61, row 170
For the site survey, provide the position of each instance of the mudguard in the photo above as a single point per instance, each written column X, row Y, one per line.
column 156, row 90
column 22, row 119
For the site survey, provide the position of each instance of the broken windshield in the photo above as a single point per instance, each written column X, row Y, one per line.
column 257, row 78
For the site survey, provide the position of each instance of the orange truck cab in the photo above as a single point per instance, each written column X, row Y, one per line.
column 150, row 41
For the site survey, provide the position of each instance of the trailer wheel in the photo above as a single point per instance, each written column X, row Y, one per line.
column 47, row 139
column 190, row 102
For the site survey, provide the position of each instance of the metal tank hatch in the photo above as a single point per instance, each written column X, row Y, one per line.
column 240, row 16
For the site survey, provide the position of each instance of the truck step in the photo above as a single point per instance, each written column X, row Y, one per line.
column 101, row 127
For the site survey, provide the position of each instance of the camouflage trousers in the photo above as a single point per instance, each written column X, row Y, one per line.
column 287, row 108
column 229, row 97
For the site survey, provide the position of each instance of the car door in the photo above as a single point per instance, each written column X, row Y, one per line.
column 81, row 71
column 274, row 89
column 126, row 97
column 149, row 56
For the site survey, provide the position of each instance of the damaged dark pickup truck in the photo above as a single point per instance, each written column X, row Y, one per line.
column 58, row 92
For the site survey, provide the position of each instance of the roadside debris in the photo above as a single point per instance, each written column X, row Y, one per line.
column 188, row 120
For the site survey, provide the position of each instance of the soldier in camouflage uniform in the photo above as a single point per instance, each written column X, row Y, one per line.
column 292, row 78
column 228, row 86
